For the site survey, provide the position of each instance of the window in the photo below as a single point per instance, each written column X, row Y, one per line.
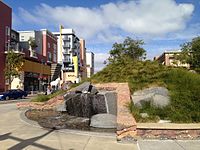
column 54, row 57
column 49, row 56
column 49, row 45
column 7, row 31
column 54, row 46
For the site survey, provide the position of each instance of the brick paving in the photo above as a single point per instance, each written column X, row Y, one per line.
column 169, row 134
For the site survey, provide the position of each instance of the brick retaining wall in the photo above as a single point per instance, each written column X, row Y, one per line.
column 126, row 124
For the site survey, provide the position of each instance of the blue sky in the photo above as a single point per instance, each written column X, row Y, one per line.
column 163, row 25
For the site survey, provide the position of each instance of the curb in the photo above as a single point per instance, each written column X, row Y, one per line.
column 27, row 121
column 168, row 126
column 14, row 101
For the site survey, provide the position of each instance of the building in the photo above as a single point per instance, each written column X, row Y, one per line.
column 68, row 52
column 83, row 67
column 90, row 63
column 24, row 37
column 40, row 66
column 5, row 31
column 49, row 46
column 168, row 58
column 14, row 41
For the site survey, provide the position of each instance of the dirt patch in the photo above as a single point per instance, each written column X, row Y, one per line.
column 60, row 120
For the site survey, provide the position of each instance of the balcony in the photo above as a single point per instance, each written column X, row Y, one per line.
column 68, row 69
column 65, row 38
column 66, row 60
column 66, row 46
column 65, row 52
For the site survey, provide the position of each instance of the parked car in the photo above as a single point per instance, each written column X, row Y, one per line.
column 13, row 94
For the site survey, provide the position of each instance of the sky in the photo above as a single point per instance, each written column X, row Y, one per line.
column 163, row 25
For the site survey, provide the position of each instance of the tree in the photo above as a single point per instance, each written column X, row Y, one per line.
column 191, row 53
column 130, row 48
column 32, row 43
column 14, row 64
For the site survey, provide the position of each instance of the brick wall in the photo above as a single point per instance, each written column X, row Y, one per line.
column 5, row 20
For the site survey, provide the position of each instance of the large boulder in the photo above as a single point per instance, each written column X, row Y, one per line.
column 104, row 121
column 86, row 87
column 157, row 96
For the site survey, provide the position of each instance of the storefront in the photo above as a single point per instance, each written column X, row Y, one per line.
column 36, row 76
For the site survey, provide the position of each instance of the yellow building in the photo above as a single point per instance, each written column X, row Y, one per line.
column 34, row 77
column 168, row 58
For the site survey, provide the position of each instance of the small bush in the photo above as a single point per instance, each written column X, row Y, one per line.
column 41, row 98
column 135, row 111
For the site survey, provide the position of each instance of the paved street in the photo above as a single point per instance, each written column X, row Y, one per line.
column 16, row 134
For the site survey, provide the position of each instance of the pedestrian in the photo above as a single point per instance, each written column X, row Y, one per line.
column 48, row 89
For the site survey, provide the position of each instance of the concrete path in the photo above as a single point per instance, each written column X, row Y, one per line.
column 169, row 145
column 16, row 135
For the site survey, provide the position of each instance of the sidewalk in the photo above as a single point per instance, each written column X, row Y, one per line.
column 16, row 134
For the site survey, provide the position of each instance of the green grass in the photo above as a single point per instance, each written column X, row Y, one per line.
column 44, row 98
column 184, row 87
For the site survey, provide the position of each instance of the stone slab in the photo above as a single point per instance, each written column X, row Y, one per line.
column 124, row 118
column 104, row 121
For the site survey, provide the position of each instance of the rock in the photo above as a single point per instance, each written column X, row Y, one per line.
column 153, row 90
column 64, row 121
column 77, row 122
column 99, row 104
column 61, row 107
column 157, row 96
column 86, row 87
column 164, row 121
column 144, row 115
column 83, row 87
column 160, row 100
column 111, row 102
column 104, row 121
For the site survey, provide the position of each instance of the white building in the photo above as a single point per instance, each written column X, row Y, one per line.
column 24, row 36
column 90, row 63
column 68, row 54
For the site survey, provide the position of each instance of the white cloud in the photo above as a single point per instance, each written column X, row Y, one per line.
column 111, row 22
column 144, row 17
column 99, row 59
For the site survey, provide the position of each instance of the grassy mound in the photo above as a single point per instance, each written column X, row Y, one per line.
column 184, row 87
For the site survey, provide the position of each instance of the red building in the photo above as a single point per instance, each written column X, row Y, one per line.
column 49, row 47
column 5, row 29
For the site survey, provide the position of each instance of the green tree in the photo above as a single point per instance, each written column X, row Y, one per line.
column 32, row 43
column 14, row 64
column 130, row 48
column 191, row 53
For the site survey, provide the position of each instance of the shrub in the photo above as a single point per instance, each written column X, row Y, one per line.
column 44, row 98
column 41, row 98
column 184, row 87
